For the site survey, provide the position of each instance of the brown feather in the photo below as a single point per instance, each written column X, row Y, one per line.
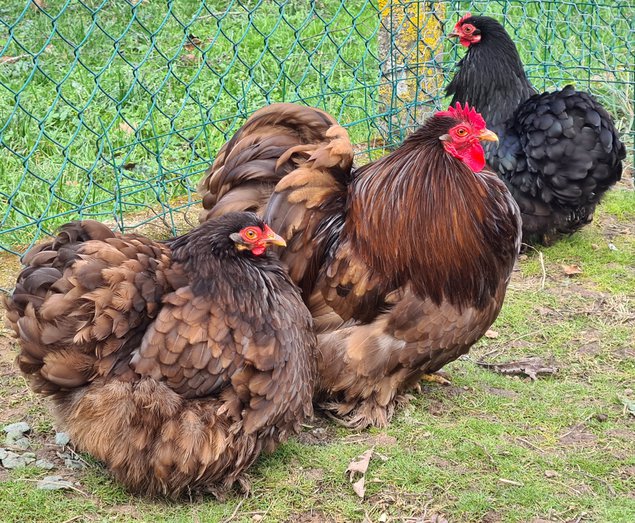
column 154, row 353
column 403, row 262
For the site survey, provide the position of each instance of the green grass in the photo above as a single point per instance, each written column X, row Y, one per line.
column 448, row 450
column 490, row 447
column 120, row 106
column 110, row 108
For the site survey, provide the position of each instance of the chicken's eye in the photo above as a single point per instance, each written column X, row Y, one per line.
column 250, row 234
column 467, row 28
column 461, row 131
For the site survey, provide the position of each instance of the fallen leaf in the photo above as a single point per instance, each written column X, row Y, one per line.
column 12, row 59
column 629, row 406
column 612, row 246
column 491, row 334
column 359, row 465
column 571, row 270
column 192, row 42
column 189, row 57
column 531, row 367
column 551, row 474
column 126, row 128
column 54, row 483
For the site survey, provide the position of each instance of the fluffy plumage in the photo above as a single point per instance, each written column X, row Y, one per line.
column 558, row 152
column 175, row 363
column 403, row 263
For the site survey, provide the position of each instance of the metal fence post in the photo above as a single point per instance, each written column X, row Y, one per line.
column 410, row 46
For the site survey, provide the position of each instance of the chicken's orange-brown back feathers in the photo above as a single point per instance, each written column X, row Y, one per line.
column 259, row 155
column 84, row 302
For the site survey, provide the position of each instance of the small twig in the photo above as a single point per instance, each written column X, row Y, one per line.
column 579, row 518
column 542, row 265
column 233, row 515
column 69, row 486
column 511, row 482
column 491, row 352
column 603, row 481
column 529, row 443
column 575, row 491
column 526, row 335
column 72, row 519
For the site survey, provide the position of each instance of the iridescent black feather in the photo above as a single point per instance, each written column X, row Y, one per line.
column 558, row 152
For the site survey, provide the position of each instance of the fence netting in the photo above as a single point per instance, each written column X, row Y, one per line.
column 112, row 109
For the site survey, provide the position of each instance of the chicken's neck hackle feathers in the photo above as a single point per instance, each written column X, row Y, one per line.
column 418, row 211
column 491, row 77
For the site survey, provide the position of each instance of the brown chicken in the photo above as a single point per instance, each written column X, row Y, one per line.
column 403, row 263
column 175, row 363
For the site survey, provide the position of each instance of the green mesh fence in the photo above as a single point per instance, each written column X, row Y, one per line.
column 112, row 109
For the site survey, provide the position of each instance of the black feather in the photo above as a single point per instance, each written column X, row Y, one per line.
column 558, row 152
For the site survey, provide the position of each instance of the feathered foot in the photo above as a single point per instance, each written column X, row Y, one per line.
column 366, row 413
column 437, row 377
column 220, row 491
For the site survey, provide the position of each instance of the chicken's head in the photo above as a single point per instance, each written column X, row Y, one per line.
column 256, row 238
column 466, row 31
column 463, row 137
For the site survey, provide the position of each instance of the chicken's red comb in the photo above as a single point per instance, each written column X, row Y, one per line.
column 465, row 113
column 463, row 19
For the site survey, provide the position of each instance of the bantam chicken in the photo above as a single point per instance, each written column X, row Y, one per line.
column 558, row 152
column 403, row 263
column 174, row 363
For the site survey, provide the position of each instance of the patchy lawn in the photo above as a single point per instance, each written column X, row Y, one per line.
column 489, row 447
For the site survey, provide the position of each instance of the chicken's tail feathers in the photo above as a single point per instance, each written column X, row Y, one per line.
column 272, row 142
column 82, row 303
column 572, row 141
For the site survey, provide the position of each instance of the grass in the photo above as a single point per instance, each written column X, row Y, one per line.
column 110, row 108
column 122, row 104
column 488, row 448
column 137, row 117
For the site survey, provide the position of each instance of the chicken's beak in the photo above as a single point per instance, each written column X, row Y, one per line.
column 453, row 34
column 488, row 136
column 274, row 239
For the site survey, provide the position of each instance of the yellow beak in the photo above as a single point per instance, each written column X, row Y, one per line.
column 275, row 239
column 488, row 136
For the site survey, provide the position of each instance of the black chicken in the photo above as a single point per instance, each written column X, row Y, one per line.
column 558, row 152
